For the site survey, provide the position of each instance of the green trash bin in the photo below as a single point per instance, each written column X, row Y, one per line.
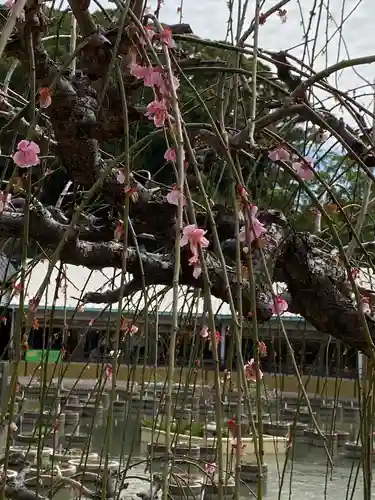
column 40, row 355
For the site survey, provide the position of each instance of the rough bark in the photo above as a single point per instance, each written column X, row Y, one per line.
column 318, row 285
column 316, row 280
column 81, row 121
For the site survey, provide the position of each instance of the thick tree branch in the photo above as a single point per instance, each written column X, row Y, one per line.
column 113, row 296
column 304, row 85
column 316, row 281
column 319, row 290
column 46, row 229
column 80, row 9
column 272, row 246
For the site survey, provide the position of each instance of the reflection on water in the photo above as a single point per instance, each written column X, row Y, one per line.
column 307, row 472
column 309, row 475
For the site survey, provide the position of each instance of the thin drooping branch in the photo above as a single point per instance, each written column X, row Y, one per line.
column 266, row 15
column 298, row 106
column 82, row 122
column 317, row 283
column 157, row 267
column 344, row 133
column 321, row 75
column 113, row 296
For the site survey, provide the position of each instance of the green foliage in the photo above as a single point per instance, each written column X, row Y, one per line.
column 211, row 84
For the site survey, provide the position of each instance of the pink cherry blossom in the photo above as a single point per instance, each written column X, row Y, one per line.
column 303, row 168
column 204, row 333
column 255, row 229
column 166, row 84
column 241, row 445
column 33, row 305
column 210, row 468
column 133, row 330
column 154, row 78
column 120, row 177
column 45, row 97
column 165, row 36
column 250, row 371
column 139, row 71
column 279, row 154
column 4, row 201
column 132, row 193
column 195, row 237
column 218, row 339
column 355, row 272
column 17, row 287
column 126, row 326
column 197, row 270
column 150, row 33
column 151, row 76
column 279, row 305
column 170, row 155
column 242, row 194
column 157, row 111
column 27, row 154
column 108, row 371
column 174, row 196
column 195, row 262
column 364, row 305
column 9, row 4
column 119, row 231
column 262, row 348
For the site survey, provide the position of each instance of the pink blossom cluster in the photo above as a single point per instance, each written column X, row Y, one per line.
column 278, row 305
column 5, row 199
column 27, row 154
column 127, row 326
column 164, row 36
column 194, row 237
column 206, row 332
column 9, row 4
column 156, row 78
column 250, row 371
column 253, row 228
column 364, row 305
column 174, row 196
column 304, row 167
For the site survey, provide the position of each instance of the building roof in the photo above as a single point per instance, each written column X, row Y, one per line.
column 80, row 280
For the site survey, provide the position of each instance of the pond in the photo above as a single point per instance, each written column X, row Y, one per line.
column 308, row 475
